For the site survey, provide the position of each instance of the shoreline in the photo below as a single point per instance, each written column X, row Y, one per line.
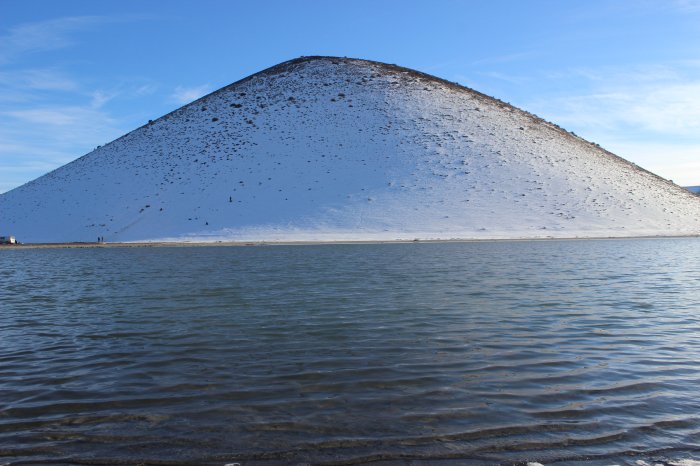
column 181, row 244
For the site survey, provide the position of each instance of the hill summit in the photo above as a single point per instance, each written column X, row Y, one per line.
column 326, row 148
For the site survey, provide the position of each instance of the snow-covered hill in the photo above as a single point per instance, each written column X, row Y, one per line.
column 323, row 148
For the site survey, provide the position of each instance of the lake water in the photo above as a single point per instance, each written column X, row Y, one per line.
column 564, row 352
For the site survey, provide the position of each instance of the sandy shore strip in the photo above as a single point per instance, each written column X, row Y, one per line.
column 185, row 244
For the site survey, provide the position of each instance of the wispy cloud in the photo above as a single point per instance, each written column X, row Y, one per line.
column 144, row 89
column 59, row 116
column 648, row 114
column 506, row 58
column 42, row 36
column 37, row 140
column 37, row 79
column 41, row 132
column 658, row 99
column 185, row 95
column 510, row 78
column 50, row 111
column 99, row 98
column 26, row 160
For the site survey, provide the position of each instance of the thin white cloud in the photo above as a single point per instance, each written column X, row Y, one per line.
column 37, row 79
column 665, row 111
column 65, row 116
column 513, row 79
column 38, row 130
column 69, row 124
column 42, row 116
column 41, row 36
column 144, row 89
column 506, row 58
column 658, row 99
column 24, row 87
column 99, row 98
column 648, row 114
column 38, row 140
column 185, row 95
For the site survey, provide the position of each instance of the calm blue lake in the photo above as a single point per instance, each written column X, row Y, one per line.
column 558, row 352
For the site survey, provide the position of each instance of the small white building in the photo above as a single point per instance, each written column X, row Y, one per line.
column 8, row 240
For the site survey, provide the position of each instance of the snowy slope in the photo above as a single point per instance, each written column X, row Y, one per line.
column 323, row 148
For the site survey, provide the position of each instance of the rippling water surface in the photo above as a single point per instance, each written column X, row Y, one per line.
column 473, row 353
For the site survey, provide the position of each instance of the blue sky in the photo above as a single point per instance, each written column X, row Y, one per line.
column 76, row 74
